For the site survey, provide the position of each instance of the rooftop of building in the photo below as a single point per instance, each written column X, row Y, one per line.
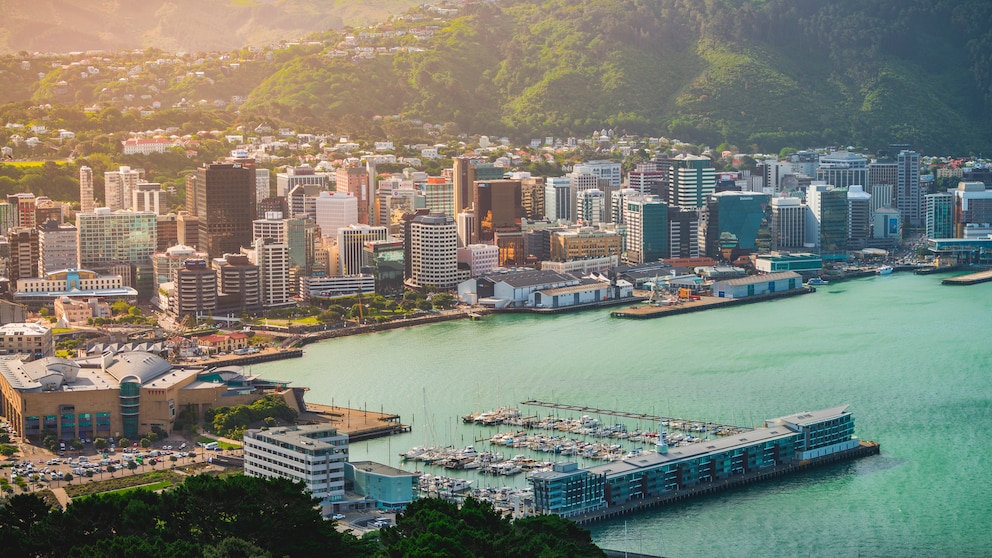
column 296, row 436
column 755, row 279
column 29, row 329
column 380, row 469
column 787, row 256
column 523, row 279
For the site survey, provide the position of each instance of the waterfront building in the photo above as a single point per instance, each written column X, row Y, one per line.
column 788, row 224
column 390, row 488
column 842, row 169
column 110, row 238
column 826, row 223
column 118, row 187
column 337, row 287
column 194, row 290
column 30, row 339
column 886, row 227
column 581, row 268
column 972, row 207
column 909, row 196
column 799, row 262
column 113, row 394
column 498, row 206
column 858, row 217
column 976, row 250
column 733, row 224
column 24, row 248
column 693, row 179
column 384, row 259
column 313, row 455
column 335, row 210
column 646, row 219
column 512, row 289
column 293, row 177
column 940, row 215
column 558, row 199
column 147, row 196
column 58, row 247
column 240, row 285
column 225, row 207
column 41, row 292
column 784, row 442
column 86, row 202
column 433, row 251
column 579, row 243
column 754, row 285
column 351, row 246
column 602, row 170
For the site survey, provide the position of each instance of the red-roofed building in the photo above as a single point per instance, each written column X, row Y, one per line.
column 224, row 343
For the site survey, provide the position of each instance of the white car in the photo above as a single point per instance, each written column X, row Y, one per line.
column 338, row 516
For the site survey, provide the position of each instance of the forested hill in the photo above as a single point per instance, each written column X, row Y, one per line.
column 765, row 73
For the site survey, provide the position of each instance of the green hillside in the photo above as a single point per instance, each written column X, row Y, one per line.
column 761, row 73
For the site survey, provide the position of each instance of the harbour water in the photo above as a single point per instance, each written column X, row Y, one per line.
column 912, row 358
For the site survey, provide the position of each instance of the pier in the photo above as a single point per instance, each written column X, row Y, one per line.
column 704, row 303
column 969, row 279
column 694, row 425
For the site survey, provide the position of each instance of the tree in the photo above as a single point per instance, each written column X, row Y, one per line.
column 132, row 465
column 120, row 307
column 443, row 300
column 124, row 442
column 424, row 304
column 145, row 443
column 100, row 444
column 76, row 444
column 68, row 477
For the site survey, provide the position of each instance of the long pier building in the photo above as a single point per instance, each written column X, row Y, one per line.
column 781, row 446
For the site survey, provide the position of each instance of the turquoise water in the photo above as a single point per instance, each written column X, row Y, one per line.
column 910, row 356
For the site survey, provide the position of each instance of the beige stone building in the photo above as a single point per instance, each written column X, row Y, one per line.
column 32, row 340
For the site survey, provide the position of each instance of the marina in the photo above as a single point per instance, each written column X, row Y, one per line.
column 969, row 279
column 915, row 379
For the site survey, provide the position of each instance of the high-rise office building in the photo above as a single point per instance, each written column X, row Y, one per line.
column 648, row 180
column 24, row 253
column 433, row 250
column 532, row 197
column 590, row 207
column 225, row 207
column 617, row 205
column 240, row 284
column 351, row 246
column 909, row 196
column 646, row 218
column 788, row 225
column 466, row 171
column 826, row 225
column 335, row 210
column 272, row 259
column 293, row 177
column 58, row 247
column 165, row 263
column 354, row 180
column 498, row 206
column 24, row 207
column 439, row 195
column 194, row 289
column 262, row 187
column 558, row 199
column 858, row 217
column 693, row 179
column 86, row 202
column 147, row 196
column 972, row 209
column 109, row 238
column 842, row 169
column 605, row 170
column 683, row 232
column 736, row 223
column 117, row 187
column 940, row 215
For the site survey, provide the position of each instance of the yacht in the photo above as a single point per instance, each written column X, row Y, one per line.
column 885, row 270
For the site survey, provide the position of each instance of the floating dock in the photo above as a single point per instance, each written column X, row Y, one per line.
column 701, row 426
column 970, row 279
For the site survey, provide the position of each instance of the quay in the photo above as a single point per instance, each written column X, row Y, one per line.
column 969, row 279
column 864, row 449
column 699, row 425
column 704, row 303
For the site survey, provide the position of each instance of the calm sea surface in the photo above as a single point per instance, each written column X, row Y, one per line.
column 911, row 357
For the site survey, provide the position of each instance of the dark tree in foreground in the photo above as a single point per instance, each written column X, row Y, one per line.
column 437, row 528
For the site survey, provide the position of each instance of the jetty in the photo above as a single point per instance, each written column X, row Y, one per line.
column 670, row 422
column 969, row 279
column 644, row 312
